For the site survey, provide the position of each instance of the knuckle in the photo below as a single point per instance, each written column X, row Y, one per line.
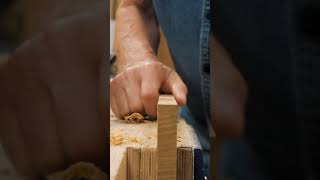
column 114, row 83
column 149, row 95
column 124, row 76
column 154, row 65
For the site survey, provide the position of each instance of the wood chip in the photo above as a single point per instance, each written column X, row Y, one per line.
column 134, row 118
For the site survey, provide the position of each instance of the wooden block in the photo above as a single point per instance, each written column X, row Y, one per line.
column 167, row 138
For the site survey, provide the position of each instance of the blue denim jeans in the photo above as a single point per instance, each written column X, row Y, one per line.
column 186, row 25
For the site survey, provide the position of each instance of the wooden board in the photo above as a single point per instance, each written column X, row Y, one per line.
column 132, row 160
column 167, row 112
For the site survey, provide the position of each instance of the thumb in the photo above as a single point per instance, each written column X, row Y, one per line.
column 174, row 84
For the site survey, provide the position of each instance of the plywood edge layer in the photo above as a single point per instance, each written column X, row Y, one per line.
column 142, row 163
column 184, row 163
column 118, row 163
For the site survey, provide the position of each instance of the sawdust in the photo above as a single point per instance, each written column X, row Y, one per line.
column 134, row 118
column 134, row 139
column 116, row 137
column 79, row 171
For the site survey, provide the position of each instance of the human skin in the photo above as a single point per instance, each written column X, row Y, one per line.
column 229, row 100
column 141, row 75
column 229, row 94
column 51, row 112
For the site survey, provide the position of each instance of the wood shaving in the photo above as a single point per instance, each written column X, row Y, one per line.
column 116, row 137
column 134, row 118
column 79, row 171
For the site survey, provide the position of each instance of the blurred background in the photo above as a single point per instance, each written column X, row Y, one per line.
column 19, row 20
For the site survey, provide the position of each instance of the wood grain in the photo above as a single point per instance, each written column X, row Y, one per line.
column 167, row 138
column 184, row 167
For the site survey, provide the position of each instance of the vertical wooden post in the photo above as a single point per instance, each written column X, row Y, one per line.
column 167, row 138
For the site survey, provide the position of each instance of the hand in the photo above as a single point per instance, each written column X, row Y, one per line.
column 136, row 89
column 230, row 94
column 51, row 95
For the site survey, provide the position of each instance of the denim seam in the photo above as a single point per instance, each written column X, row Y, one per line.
column 204, row 55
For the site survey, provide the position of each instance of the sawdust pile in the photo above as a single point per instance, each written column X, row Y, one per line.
column 118, row 137
column 79, row 171
column 134, row 118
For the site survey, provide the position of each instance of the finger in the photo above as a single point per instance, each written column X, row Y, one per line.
column 133, row 92
column 150, row 96
column 113, row 103
column 13, row 143
column 10, row 132
column 37, row 123
column 81, row 129
column 122, row 103
column 174, row 84
column 135, row 100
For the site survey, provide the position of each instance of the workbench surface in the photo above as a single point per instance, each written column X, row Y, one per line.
column 144, row 144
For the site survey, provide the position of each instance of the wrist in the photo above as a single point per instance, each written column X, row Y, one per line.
column 127, row 59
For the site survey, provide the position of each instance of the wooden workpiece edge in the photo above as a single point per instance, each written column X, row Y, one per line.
column 167, row 138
